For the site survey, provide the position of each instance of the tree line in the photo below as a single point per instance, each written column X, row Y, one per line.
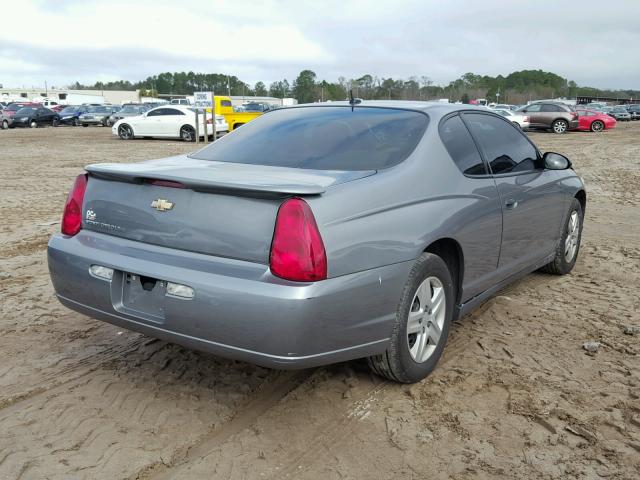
column 516, row 88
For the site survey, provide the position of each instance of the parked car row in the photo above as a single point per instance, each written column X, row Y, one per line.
column 34, row 114
column 560, row 117
column 619, row 112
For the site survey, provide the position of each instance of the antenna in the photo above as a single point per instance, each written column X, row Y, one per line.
column 353, row 101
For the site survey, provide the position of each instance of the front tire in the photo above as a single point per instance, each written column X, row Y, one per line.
column 188, row 133
column 55, row 122
column 75, row 122
column 597, row 126
column 569, row 245
column 125, row 132
column 560, row 126
column 33, row 124
column 5, row 124
column 422, row 323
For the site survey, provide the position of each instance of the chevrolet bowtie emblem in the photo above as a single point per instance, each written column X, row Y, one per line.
column 162, row 205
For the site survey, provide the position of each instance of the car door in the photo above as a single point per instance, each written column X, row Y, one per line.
column 480, row 223
column 42, row 116
column 533, row 202
column 549, row 112
column 172, row 120
column 150, row 123
column 536, row 118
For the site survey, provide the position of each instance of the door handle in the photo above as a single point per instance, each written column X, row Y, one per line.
column 511, row 204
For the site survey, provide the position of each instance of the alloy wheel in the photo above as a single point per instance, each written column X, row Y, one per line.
column 426, row 319
column 559, row 126
column 187, row 134
column 125, row 132
column 573, row 232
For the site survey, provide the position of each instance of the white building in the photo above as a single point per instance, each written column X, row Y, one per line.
column 68, row 97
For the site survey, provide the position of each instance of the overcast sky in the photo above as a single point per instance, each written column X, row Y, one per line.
column 594, row 43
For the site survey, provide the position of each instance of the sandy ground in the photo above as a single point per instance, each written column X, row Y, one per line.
column 515, row 395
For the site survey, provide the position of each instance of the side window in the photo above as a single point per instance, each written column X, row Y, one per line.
column 172, row 111
column 225, row 103
column 155, row 113
column 533, row 108
column 460, row 145
column 506, row 149
column 550, row 108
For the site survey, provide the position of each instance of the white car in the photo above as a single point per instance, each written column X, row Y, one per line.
column 518, row 119
column 170, row 121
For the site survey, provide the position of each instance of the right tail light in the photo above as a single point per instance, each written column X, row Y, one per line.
column 297, row 250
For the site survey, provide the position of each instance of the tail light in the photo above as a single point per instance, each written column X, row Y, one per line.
column 165, row 183
column 297, row 250
column 72, row 216
column 526, row 119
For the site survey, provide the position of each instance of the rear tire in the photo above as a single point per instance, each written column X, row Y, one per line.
column 569, row 245
column 75, row 122
column 597, row 126
column 5, row 124
column 560, row 126
column 422, row 323
column 33, row 124
column 188, row 133
column 55, row 122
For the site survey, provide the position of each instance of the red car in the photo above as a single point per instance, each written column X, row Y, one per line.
column 594, row 121
column 11, row 109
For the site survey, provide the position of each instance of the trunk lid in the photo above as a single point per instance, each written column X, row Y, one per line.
column 224, row 209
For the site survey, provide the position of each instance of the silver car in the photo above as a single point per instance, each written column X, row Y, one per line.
column 320, row 233
column 130, row 110
column 98, row 115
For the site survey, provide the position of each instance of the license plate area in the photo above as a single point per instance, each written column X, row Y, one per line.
column 140, row 296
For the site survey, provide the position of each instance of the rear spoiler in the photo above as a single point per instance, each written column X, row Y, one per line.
column 257, row 183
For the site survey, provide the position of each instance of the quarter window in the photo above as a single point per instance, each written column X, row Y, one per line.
column 506, row 149
column 460, row 145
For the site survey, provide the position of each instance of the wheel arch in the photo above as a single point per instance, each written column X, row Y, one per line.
column 451, row 252
column 581, row 196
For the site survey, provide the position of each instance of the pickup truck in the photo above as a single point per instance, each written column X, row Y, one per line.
column 233, row 118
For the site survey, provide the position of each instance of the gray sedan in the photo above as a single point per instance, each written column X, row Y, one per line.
column 131, row 110
column 320, row 233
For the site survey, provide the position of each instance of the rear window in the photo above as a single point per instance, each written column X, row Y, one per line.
column 323, row 138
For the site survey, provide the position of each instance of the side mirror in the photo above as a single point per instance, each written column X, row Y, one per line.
column 555, row 161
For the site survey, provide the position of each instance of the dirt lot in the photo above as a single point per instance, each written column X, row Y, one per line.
column 515, row 395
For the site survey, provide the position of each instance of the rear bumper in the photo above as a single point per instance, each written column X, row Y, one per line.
column 240, row 310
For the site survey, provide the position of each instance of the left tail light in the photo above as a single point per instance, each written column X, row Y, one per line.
column 72, row 215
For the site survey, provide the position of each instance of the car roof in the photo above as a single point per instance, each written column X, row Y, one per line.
column 171, row 105
column 436, row 109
